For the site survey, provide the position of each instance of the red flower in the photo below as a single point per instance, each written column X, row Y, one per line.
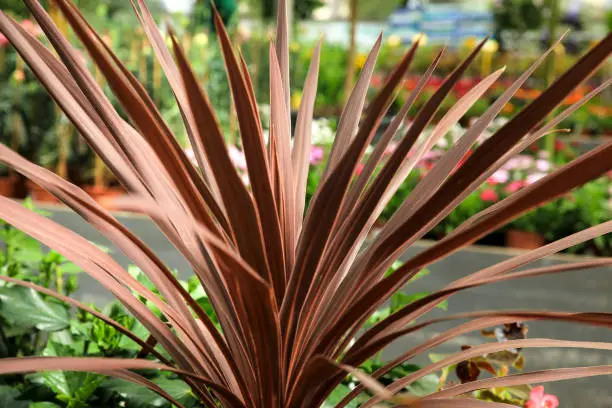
column 376, row 81
column 489, row 195
column 411, row 83
column 537, row 399
column 3, row 40
column 515, row 186
column 435, row 81
column 463, row 86
column 359, row 168
column 559, row 145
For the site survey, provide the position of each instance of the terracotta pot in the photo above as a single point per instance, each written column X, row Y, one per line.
column 39, row 194
column 7, row 185
column 524, row 240
column 103, row 194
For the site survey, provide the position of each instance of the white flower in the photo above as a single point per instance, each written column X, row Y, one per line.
column 532, row 178
column 500, row 176
column 542, row 165
column 543, row 154
column 322, row 133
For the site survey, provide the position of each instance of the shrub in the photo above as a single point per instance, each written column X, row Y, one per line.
column 292, row 293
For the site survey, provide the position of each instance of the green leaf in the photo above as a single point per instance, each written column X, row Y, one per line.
column 400, row 300
column 128, row 344
column 178, row 389
column 424, row 385
column 70, row 268
column 136, row 396
column 44, row 405
column 340, row 392
column 74, row 388
column 421, row 274
column 25, row 307
column 9, row 398
column 435, row 357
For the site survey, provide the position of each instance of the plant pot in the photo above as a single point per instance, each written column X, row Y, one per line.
column 39, row 194
column 103, row 194
column 524, row 240
column 7, row 185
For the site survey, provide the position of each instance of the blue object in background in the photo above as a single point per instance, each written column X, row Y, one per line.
column 445, row 23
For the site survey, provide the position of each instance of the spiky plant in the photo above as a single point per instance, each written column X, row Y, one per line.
column 291, row 292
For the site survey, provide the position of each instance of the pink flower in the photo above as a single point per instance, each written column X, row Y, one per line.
column 520, row 162
column 434, row 154
column 515, row 186
column 316, row 155
column 237, row 157
column 359, row 168
column 500, row 176
column 532, row 178
column 31, row 28
column 489, row 195
column 3, row 40
column 537, row 399
column 390, row 148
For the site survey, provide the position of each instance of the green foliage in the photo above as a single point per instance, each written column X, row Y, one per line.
column 266, row 9
column 72, row 388
column 519, row 15
column 26, row 309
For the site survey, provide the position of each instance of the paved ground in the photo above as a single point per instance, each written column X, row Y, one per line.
column 578, row 291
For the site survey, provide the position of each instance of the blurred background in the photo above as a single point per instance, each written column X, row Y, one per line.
column 521, row 30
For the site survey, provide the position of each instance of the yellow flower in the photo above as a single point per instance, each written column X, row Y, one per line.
column 296, row 99
column 200, row 39
column 19, row 75
column 422, row 37
column 394, row 41
column 490, row 46
column 360, row 60
column 559, row 49
column 294, row 46
column 469, row 42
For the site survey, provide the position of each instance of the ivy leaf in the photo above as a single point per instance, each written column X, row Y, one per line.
column 74, row 388
column 25, row 307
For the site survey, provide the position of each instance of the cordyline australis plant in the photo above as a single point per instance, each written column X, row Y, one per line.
column 291, row 292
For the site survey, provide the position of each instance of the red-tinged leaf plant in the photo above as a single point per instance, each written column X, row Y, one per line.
column 291, row 287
